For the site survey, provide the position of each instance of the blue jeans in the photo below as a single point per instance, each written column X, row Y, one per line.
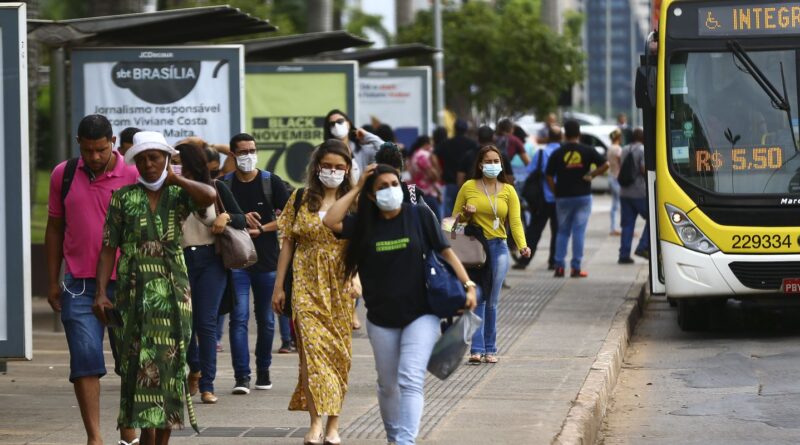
column 485, row 339
column 207, row 279
column 83, row 330
column 450, row 194
column 401, row 359
column 573, row 217
column 284, row 324
column 220, row 327
column 631, row 207
column 613, row 187
column 262, row 284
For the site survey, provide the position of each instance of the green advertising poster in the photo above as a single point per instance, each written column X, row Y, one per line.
column 285, row 108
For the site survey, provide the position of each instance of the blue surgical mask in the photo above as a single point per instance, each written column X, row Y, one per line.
column 389, row 199
column 492, row 170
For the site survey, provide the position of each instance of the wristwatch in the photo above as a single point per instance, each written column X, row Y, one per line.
column 469, row 284
column 260, row 228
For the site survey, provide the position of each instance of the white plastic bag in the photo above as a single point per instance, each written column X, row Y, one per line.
column 448, row 353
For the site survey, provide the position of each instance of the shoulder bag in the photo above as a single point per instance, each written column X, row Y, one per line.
column 467, row 248
column 234, row 245
column 445, row 293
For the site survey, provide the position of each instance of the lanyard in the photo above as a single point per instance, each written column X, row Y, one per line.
column 493, row 205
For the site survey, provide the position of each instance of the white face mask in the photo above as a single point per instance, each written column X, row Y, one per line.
column 247, row 163
column 155, row 185
column 340, row 130
column 331, row 178
column 389, row 199
column 492, row 170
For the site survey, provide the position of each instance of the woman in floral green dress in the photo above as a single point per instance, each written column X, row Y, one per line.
column 144, row 221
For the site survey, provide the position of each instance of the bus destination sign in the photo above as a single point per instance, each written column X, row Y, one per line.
column 750, row 20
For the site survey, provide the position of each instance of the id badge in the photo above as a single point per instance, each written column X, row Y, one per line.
column 496, row 224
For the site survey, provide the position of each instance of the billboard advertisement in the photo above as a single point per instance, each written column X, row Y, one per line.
column 285, row 110
column 398, row 97
column 16, row 339
column 179, row 91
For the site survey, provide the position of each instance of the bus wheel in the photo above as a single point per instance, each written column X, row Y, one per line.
column 672, row 302
column 692, row 314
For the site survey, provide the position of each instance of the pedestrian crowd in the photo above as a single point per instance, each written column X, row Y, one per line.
column 160, row 243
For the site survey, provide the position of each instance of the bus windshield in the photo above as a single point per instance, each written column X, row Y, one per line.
column 726, row 134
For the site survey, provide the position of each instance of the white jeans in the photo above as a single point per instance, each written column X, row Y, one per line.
column 401, row 359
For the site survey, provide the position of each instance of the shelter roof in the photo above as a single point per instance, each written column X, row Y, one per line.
column 387, row 53
column 151, row 28
column 299, row 45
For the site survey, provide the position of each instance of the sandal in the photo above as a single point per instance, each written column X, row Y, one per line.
column 475, row 359
column 490, row 358
column 133, row 442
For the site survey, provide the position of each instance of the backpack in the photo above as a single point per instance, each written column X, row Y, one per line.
column 66, row 181
column 628, row 171
column 266, row 185
column 533, row 189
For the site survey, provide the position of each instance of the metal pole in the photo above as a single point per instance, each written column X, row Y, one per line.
column 58, row 103
column 438, row 60
column 608, row 59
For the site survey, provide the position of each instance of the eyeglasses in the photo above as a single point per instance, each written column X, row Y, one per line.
column 341, row 120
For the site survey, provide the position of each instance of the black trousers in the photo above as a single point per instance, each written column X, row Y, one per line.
column 533, row 233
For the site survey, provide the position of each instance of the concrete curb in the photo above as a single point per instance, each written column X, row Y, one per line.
column 583, row 421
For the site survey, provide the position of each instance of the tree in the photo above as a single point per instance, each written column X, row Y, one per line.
column 501, row 58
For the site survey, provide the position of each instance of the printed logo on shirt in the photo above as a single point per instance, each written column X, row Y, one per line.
column 573, row 159
column 392, row 245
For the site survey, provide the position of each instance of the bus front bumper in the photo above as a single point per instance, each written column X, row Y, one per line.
column 690, row 274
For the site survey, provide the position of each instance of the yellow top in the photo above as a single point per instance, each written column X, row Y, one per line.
column 472, row 192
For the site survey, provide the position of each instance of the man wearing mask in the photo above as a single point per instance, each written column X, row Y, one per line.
column 80, row 192
column 450, row 153
column 260, row 194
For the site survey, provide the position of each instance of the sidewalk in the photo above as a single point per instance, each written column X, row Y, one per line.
column 550, row 331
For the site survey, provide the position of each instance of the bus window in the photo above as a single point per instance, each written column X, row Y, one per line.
column 725, row 134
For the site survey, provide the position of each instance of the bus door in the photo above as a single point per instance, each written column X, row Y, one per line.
column 646, row 95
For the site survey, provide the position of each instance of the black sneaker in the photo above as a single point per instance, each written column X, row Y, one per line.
column 242, row 385
column 262, row 380
column 559, row 273
column 627, row 260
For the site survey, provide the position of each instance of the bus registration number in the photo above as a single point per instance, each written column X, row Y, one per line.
column 791, row 285
column 761, row 241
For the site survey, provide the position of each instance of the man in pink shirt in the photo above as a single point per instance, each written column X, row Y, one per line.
column 74, row 233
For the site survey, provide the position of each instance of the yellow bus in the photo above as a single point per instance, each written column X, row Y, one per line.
column 718, row 91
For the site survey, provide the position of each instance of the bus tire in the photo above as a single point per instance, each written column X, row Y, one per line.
column 672, row 302
column 692, row 315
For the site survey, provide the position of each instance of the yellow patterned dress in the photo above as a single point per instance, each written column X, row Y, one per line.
column 321, row 309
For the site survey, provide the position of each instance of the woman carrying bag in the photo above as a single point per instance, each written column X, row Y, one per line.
column 207, row 275
column 385, row 250
column 489, row 200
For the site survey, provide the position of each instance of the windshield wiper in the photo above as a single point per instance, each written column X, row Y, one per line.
column 778, row 100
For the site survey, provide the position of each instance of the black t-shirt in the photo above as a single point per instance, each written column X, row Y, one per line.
column 391, row 270
column 569, row 164
column 250, row 196
column 452, row 153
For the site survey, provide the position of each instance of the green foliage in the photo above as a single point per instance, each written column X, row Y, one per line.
column 288, row 15
column 360, row 22
column 501, row 57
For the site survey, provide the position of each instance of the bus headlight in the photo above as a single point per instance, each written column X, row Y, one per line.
column 691, row 236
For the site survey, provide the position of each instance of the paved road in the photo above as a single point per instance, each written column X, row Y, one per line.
column 549, row 329
column 738, row 384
